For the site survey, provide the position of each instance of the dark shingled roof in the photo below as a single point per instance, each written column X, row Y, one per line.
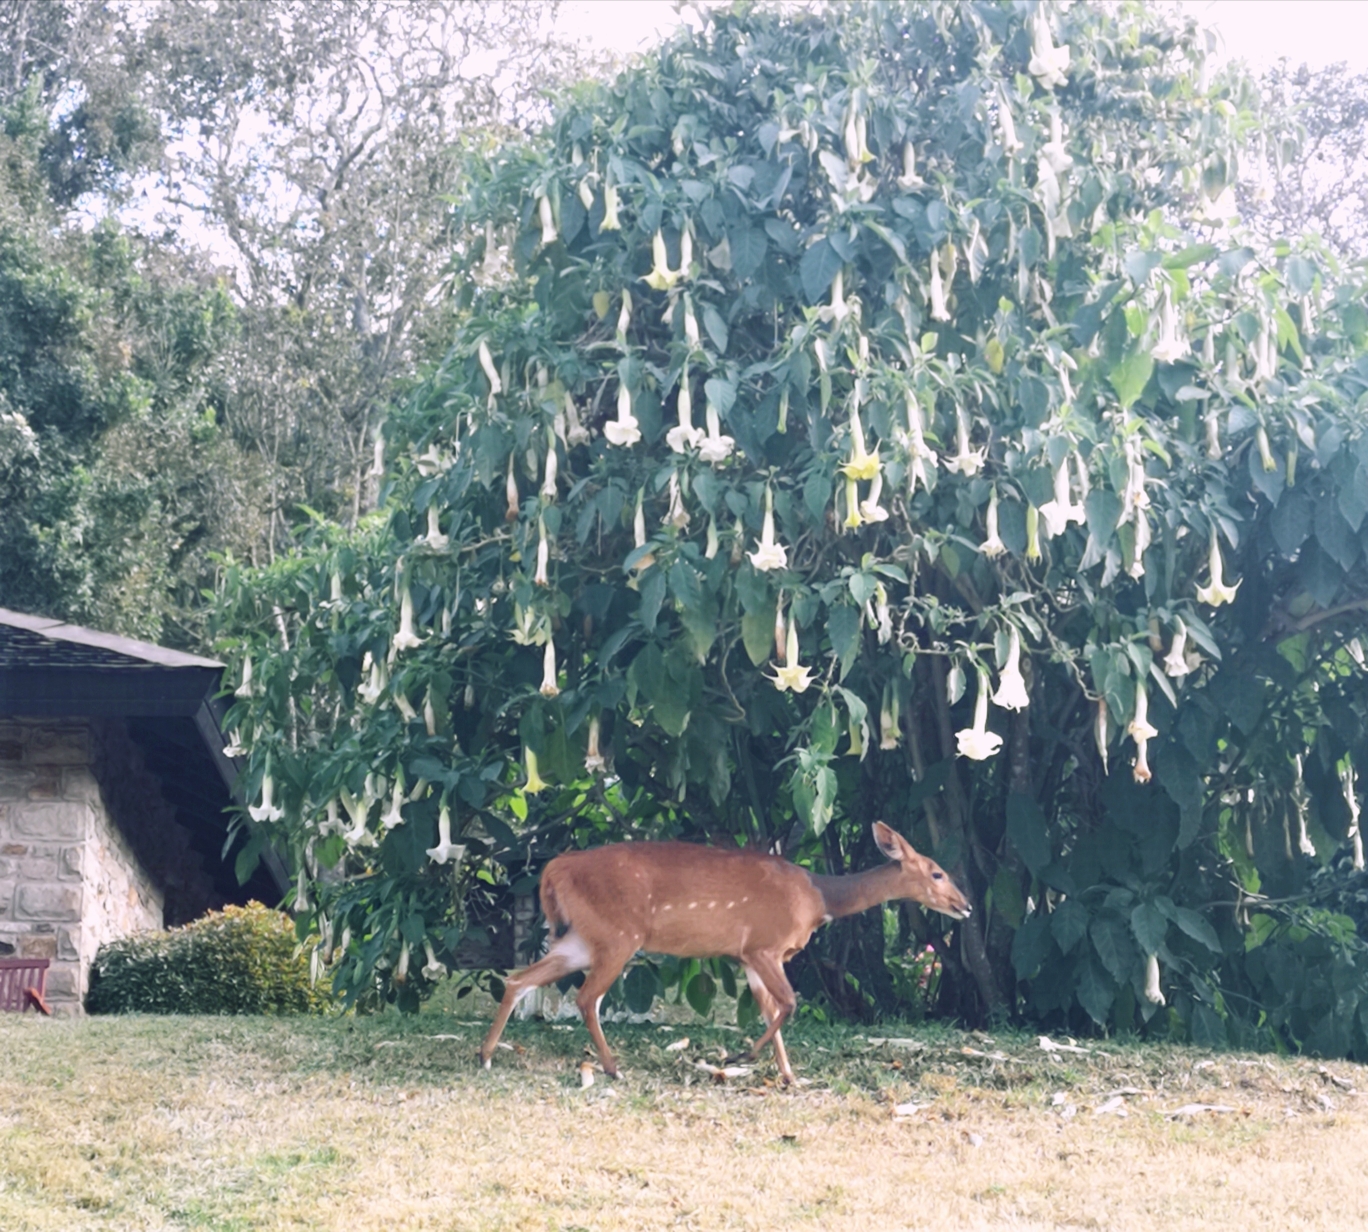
column 49, row 669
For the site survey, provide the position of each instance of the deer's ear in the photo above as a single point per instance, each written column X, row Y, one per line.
column 888, row 841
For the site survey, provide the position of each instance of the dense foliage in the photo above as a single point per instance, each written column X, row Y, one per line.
column 869, row 413
column 241, row 960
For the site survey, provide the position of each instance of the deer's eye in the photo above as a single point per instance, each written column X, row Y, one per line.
column 937, row 876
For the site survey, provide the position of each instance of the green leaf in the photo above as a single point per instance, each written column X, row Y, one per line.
column 1111, row 939
column 641, row 988
column 701, row 992
column 716, row 327
column 1027, row 831
column 818, row 269
column 1130, row 375
column 1069, row 923
column 1031, row 946
column 748, row 245
column 1196, row 927
column 1149, row 926
column 843, row 627
column 1095, row 991
column 652, row 596
column 757, row 633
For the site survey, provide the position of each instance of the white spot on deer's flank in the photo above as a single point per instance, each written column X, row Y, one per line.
column 692, row 906
column 732, row 903
column 668, row 907
column 712, row 905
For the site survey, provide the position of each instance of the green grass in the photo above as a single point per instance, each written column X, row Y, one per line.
column 371, row 1123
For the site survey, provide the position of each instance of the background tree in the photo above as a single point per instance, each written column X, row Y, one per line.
column 276, row 177
column 882, row 418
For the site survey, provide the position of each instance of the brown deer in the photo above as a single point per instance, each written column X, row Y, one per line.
column 605, row 904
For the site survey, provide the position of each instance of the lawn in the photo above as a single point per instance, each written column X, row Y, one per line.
column 388, row 1123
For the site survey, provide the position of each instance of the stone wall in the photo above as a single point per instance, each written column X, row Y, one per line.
column 68, row 878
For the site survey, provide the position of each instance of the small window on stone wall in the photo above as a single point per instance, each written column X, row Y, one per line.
column 6, row 950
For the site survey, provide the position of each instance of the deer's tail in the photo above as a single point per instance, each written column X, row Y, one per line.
column 557, row 922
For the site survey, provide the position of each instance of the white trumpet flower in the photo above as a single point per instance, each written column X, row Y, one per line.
column 917, row 447
column 992, row 546
column 1175, row 663
column 889, row 730
column 406, row 638
column 575, row 431
column 432, row 969
column 548, row 488
column 549, row 687
column 445, row 849
column 490, row 371
column 710, row 550
column 593, row 759
column 624, row 430
column 838, row 309
column 676, row 515
column 404, row 706
column 909, row 179
column 940, row 310
column 977, row 742
column 661, row 277
column 1141, row 731
column 1007, row 133
column 853, row 518
column 375, row 686
column 1059, row 512
column 684, row 436
column 535, row 782
column 267, row 810
column 792, row 675
column 1033, row 553
column 1142, row 542
column 1216, row 592
column 511, row 495
column 1172, row 345
column 870, row 509
column 624, row 321
column 394, row 815
column 1048, row 63
column 245, row 688
column 883, row 617
column 967, row 462
column 1011, row 693
column 548, row 220
column 541, row 577
column 434, row 540
column 861, row 464
column 769, row 554
column 1153, row 994
column 715, row 447
column 610, row 209
column 690, row 325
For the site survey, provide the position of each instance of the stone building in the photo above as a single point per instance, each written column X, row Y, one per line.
column 113, row 791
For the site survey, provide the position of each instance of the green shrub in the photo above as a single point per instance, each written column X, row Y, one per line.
column 241, row 960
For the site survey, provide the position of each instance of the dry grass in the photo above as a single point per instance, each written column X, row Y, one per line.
column 359, row 1124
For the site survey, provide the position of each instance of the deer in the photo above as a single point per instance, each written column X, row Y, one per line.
column 604, row 904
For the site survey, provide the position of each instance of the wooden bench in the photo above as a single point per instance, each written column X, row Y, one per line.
column 23, row 982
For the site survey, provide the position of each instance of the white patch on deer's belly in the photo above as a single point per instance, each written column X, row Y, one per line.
column 826, row 919
column 572, row 949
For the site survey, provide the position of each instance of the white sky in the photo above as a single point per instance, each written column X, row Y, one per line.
column 1317, row 32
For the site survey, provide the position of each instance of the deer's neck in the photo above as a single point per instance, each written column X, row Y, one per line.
column 852, row 894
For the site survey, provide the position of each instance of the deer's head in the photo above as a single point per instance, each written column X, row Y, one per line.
column 922, row 878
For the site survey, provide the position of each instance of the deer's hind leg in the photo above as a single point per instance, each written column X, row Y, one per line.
column 606, row 967
column 567, row 955
column 777, row 1000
